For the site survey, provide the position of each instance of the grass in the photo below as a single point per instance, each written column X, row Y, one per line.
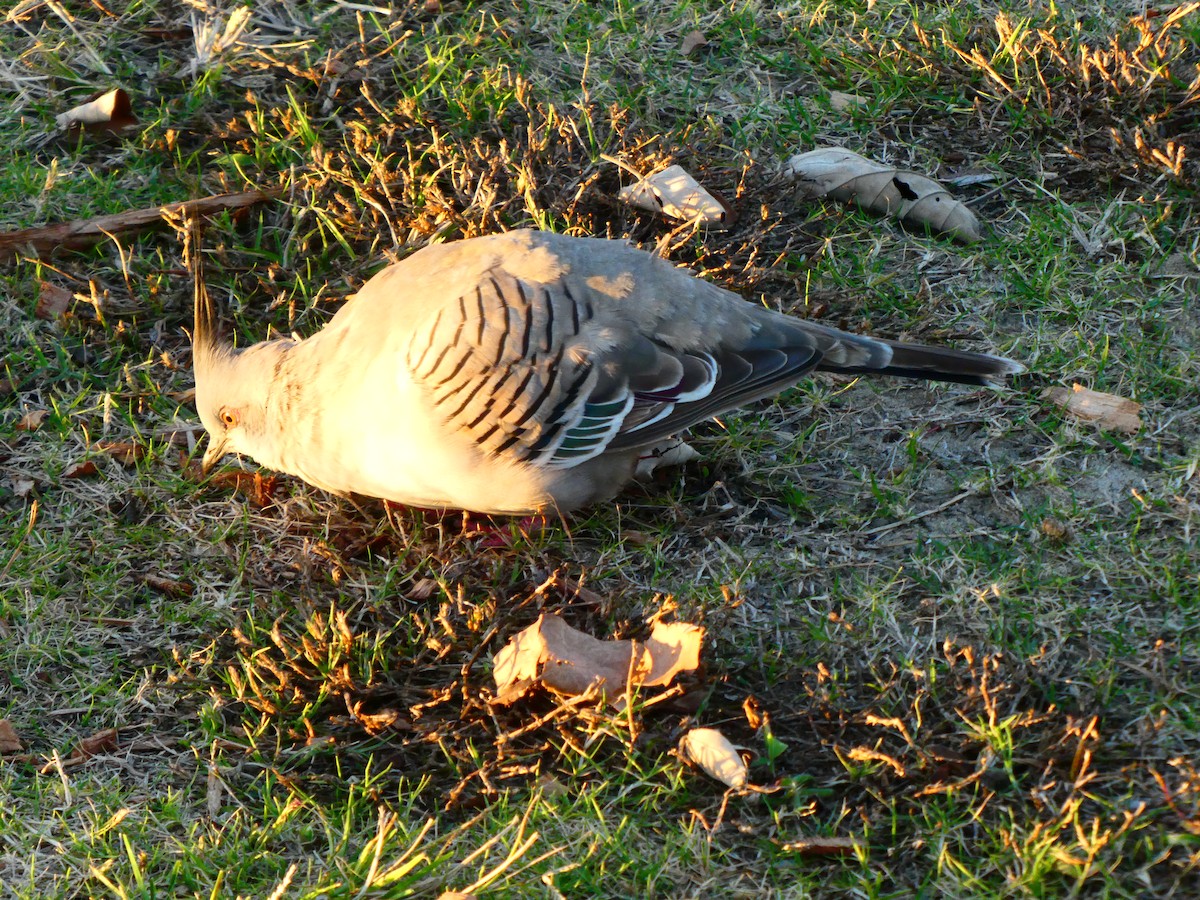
column 970, row 619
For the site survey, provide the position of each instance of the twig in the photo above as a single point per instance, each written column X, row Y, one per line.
column 921, row 515
column 47, row 240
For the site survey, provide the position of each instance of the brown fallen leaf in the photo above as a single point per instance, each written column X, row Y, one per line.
column 32, row 420
column 912, row 198
column 693, row 42
column 53, row 301
column 821, row 846
column 675, row 193
column 713, row 753
column 253, row 486
column 124, row 452
column 46, row 240
column 93, row 745
column 9, row 740
column 570, row 662
column 1107, row 410
column 109, row 111
column 172, row 587
column 85, row 469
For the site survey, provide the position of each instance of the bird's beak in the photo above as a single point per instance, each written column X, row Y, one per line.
column 216, row 449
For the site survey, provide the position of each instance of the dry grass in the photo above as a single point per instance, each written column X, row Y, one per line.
column 970, row 620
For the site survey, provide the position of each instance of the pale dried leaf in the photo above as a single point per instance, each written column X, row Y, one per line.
column 673, row 452
column 570, row 662
column 32, row 420
column 693, row 42
column 520, row 660
column 840, row 101
column 53, row 301
column 213, row 36
column 10, row 742
column 551, row 787
column 712, row 752
column 110, row 111
column 1106, row 410
column 214, row 791
column 455, row 895
column 912, row 198
column 1177, row 265
column 675, row 193
column 23, row 487
column 576, row 661
column 672, row 648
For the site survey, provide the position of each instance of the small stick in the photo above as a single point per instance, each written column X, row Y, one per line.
column 47, row 240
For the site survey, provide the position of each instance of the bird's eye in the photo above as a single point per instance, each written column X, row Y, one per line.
column 228, row 418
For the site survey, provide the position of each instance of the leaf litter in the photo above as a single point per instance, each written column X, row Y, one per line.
column 567, row 661
column 914, row 199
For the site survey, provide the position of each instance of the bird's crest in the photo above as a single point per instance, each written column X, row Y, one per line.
column 206, row 340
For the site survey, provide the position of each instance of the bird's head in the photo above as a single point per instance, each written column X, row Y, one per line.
column 233, row 388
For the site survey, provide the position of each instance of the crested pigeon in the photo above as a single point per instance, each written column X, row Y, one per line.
column 522, row 373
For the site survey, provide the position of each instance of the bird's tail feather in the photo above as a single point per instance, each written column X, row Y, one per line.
column 936, row 364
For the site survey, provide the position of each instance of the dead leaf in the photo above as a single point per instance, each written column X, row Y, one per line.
column 53, row 301
column 423, row 589
column 821, row 846
column 693, row 42
column 675, row 193
column 913, row 199
column 214, row 790
column 32, row 420
column 840, row 101
column 258, row 490
column 672, row 452
column 755, row 717
column 1107, row 410
column 85, row 469
column 1055, row 529
column 124, row 452
column 570, row 662
column 455, row 895
column 672, row 648
column 93, row 745
column 9, row 741
column 172, row 587
column 551, row 787
column 110, row 111
column 712, row 752
column 1177, row 265
column 23, row 487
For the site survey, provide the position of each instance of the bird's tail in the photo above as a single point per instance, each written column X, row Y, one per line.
column 934, row 364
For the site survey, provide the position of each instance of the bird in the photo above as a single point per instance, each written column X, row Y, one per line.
column 521, row 373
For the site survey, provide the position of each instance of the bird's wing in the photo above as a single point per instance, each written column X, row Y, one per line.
column 596, row 347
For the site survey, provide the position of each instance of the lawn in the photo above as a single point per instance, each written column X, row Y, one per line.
column 955, row 631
